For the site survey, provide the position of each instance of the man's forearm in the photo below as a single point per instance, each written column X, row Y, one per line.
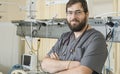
column 77, row 70
column 53, row 66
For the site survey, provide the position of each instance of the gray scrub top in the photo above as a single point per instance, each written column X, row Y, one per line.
column 90, row 49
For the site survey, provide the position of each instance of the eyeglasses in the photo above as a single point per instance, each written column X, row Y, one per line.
column 77, row 12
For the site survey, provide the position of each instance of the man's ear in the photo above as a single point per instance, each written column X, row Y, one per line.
column 87, row 14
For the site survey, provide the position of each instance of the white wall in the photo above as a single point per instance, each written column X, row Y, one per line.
column 10, row 46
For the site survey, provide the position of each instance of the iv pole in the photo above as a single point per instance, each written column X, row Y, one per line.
column 31, row 17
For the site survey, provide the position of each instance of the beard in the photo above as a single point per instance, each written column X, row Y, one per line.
column 77, row 27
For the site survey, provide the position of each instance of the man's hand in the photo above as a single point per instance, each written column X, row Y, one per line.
column 54, row 56
column 52, row 64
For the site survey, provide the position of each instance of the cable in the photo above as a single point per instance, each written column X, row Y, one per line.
column 30, row 47
column 109, row 50
column 38, row 46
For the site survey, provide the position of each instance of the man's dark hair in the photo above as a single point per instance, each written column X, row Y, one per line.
column 83, row 2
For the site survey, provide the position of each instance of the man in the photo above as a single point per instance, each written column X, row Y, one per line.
column 80, row 51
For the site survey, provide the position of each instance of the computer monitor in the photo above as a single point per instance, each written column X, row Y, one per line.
column 29, row 61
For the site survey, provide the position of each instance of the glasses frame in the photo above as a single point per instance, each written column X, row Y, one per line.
column 76, row 12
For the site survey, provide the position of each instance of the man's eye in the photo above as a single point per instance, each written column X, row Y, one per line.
column 69, row 12
column 78, row 12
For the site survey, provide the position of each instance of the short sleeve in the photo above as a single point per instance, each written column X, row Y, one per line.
column 95, row 54
column 58, row 45
column 55, row 47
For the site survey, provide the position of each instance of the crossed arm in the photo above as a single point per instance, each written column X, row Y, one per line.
column 52, row 64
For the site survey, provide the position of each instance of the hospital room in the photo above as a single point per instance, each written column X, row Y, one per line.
column 59, row 36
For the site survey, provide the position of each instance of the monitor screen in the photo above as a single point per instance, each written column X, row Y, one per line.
column 27, row 60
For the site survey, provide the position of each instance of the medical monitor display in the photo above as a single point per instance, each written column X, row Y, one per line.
column 29, row 61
